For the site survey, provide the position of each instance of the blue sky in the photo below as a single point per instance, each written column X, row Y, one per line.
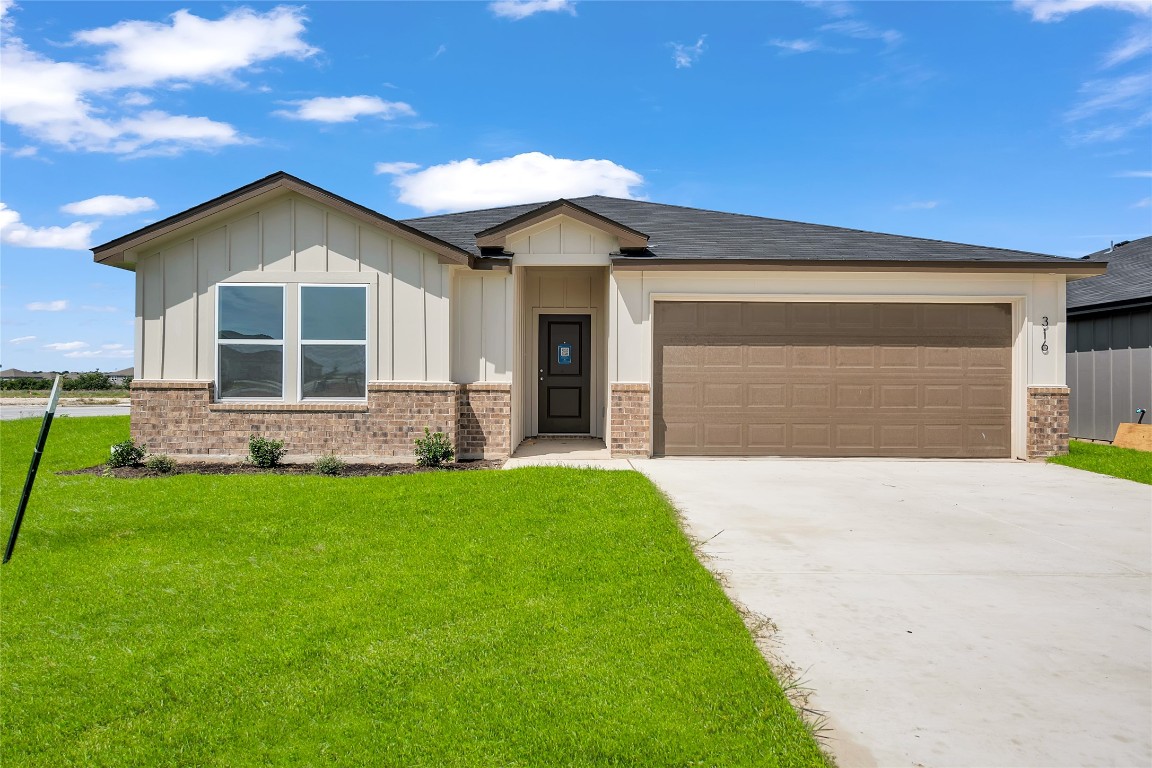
column 1021, row 124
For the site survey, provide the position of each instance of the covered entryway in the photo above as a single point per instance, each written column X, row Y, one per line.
column 832, row 379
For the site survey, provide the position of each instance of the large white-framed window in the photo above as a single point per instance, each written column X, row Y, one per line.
column 292, row 342
column 250, row 341
column 333, row 339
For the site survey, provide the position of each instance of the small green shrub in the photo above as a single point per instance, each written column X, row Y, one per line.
column 433, row 449
column 265, row 453
column 328, row 465
column 127, row 454
column 160, row 463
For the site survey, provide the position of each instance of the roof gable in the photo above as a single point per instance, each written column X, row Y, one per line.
column 497, row 236
column 117, row 252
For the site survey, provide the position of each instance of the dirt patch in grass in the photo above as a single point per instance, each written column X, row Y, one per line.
column 238, row 468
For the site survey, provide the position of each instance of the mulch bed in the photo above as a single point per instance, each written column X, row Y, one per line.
column 238, row 468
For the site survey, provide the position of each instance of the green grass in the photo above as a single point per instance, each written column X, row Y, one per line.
column 527, row 618
column 1103, row 459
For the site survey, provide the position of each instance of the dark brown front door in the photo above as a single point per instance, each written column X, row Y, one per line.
column 564, row 373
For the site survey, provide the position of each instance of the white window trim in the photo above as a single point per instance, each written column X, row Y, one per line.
column 282, row 341
column 300, row 343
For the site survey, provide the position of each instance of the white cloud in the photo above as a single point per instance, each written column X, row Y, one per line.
column 799, row 45
column 22, row 340
column 1137, row 44
column 687, row 55
column 65, row 346
column 834, row 8
column 918, row 205
column 82, row 107
column 1133, row 175
column 522, row 9
column 105, row 353
column 345, row 109
column 74, row 237
column 109, row 205
column 99, row 308
column 395, row 169
column 525, row 178
column 47, row 306
column 1145, row 203
column 1111, row 108
column 863, row 31
column 1055, row 10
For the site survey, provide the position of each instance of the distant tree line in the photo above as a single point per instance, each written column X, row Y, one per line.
column 86, row 381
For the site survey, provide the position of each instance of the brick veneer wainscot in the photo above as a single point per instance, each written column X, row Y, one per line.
column 484, row 421
column 630, row 420
column 1047, row 421
column 179, row 417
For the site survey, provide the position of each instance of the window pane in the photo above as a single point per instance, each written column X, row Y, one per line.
column 251, row 370
column 332, row 370
column 251, row 312
column 333, row 313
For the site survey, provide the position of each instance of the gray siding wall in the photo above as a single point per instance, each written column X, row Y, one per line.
column 1109, row 370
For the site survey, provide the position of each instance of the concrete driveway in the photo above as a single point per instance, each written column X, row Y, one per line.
column 946, row 613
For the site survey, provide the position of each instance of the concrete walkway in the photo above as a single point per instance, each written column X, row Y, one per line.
column 580, row 452
column 945, row 613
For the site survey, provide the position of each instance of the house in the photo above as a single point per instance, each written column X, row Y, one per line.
column 119, row 378
column 284, row 310
column 16, row 373
column 1110, row 342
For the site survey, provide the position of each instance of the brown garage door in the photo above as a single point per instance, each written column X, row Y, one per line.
column 816, row 379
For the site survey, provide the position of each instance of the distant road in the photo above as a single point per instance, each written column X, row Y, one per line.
column 32, row 410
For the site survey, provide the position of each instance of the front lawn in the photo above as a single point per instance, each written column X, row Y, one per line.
column 1103, row 459
column 526, row 618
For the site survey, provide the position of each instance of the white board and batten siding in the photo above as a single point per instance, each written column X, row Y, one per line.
column 292, row 241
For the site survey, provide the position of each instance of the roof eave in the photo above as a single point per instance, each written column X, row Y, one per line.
column 1077, row 268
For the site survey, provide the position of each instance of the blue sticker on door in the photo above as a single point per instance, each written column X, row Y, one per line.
column 564, row 353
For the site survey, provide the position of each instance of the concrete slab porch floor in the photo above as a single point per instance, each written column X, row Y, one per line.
column 944, row 613
column 564, row 452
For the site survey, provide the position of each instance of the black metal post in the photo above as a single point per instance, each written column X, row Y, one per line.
column 49, row 412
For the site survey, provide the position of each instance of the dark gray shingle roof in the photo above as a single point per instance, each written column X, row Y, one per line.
column 679, row 233
column 1129, row 277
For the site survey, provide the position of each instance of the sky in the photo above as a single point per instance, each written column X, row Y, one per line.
column 1023, row 124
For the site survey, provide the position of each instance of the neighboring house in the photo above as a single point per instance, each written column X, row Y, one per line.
column 283, row 310
column 118, row 378
column 1110, row 342
column 16, row 373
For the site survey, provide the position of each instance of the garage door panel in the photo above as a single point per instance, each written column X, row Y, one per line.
column 816, row 437
column 856, row 396
column 905, row 358
column 767, row 356
column 811, row 357
column 719, row 435
column 723, row 356
column 827, row 379
column 855, row 436
column 987, row 397
column 810, row 396
column 900, row 396
column 943, row 396
column 767, row 438
column 767, row 395
column 720, row 395
column 855, row 356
